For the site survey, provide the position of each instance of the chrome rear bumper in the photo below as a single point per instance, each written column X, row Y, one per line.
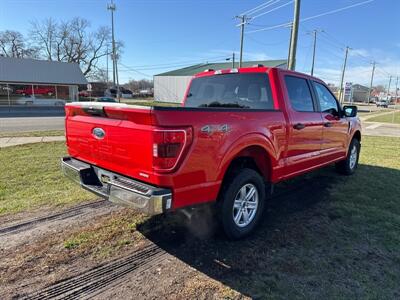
column 119, row 189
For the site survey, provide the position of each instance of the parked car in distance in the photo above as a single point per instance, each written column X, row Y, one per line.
column 382, row 103
column 127, row 94
column 105, row 99
column 40, row 101
column 84, row 94
column 124, row 93
column 37, row 90
column 239, row 132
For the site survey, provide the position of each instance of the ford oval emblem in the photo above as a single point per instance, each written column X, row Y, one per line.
column 98, row 133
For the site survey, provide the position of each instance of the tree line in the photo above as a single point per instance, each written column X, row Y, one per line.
column 72, row 41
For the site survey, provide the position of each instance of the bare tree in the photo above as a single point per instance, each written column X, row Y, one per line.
column 12, row 45
column 45, row 34
column 137, row 85
column 71, row 41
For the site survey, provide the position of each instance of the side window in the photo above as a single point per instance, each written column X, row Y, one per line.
column 326, row 100
column 299, row 94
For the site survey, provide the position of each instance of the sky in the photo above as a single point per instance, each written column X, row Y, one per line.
column 161, row 35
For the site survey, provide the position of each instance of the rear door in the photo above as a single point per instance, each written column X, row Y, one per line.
column 336, row 126
column 305, row 124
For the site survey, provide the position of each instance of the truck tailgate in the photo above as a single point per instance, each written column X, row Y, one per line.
column 115, row 137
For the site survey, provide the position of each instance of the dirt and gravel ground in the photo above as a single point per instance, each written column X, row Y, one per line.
column 171, row 257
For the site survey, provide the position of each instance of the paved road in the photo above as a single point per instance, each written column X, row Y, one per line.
column 31, row 124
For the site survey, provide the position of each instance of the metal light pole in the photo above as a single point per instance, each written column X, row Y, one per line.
column 342, row 77
column 107, row 67
column 233, row 60
column 294, row 35
column 111, row 7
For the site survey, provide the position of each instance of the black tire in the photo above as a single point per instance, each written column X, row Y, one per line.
column 238, row 179
column 347, row 167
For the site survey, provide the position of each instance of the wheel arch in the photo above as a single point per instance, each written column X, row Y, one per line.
column 254, row 151
column 357, row 135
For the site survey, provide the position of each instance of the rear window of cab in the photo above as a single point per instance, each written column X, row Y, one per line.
column 237, row 90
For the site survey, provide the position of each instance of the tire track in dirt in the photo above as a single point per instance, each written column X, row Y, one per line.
column 93, row 281
column 72, row 212
column 15, row 235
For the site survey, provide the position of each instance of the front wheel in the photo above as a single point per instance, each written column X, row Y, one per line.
column 349, row 165
column 242, row 203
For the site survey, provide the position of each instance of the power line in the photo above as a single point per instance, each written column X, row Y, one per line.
column 266, row 44
column 312, row 17
column 176, row 64
column 271, row 10
column 336, row 10
column 260, row 7
column 287, row 24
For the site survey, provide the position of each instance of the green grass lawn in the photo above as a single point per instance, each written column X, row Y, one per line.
column 32, row 133
column 30, row 177
column 393, row 117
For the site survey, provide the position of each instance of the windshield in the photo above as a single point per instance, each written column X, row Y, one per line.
column 246, row 90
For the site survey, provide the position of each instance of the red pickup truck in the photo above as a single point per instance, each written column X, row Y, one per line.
column 238, row 132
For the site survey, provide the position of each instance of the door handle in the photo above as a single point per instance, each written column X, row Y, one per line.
column 299, row 126
column 328, row 124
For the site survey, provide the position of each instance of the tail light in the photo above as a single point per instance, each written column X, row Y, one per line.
column 168, row 147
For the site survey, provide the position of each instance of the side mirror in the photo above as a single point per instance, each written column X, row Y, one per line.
column 350, row 111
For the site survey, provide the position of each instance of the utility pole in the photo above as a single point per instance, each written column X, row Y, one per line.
column 313, row 55
column 395, row 100
column 372, row 80
column 294, row 35
column 243, row 21
column 315, row 31
column 111, row 7
column 342, row 77
column 388, row 90
column 290, row 42
column 233, row 60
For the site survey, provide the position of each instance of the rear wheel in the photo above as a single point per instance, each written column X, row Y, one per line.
column 349, row 165
column 242, row 203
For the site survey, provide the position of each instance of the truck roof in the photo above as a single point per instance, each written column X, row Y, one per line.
column 253, row 69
